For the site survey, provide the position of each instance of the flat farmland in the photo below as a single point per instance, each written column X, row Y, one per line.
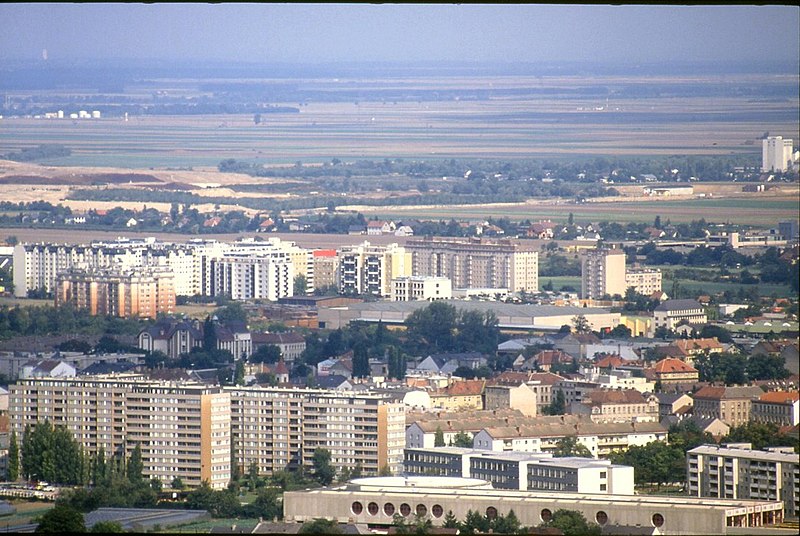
column 489, row 117
column 754, row 210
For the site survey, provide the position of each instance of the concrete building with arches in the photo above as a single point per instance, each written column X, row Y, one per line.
column 374, row 501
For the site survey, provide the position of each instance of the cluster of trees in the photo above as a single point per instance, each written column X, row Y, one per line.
column 365, row 341
column 48, row 320
column 41, row 152
column 739, row 369
column 658, row 462
column 440, row 327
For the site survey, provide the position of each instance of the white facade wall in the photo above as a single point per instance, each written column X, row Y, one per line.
column 776, row 154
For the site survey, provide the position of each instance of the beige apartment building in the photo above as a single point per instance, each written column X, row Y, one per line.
column 731, row 405
column 645, row 281
column 603, row 273
column 131, row 293
column 183, row 430
column 326, row 268
column 476, row 263
column 188, row 430
column 278, row 428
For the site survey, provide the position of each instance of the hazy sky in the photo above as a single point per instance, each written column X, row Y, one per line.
column 311, row 33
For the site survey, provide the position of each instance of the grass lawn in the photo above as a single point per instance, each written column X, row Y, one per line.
column 26, row 512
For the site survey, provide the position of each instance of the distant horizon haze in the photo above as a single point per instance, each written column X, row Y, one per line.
column 391, row 34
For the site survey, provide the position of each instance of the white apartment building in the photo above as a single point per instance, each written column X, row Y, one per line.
column 523, row 471
column 245, row 276
column 37, row 265
column 735, row 471
column 645, row 281
column 476, row 263
column 370, row 269
column 776, row 154
column 603, row 273
column 421, row 288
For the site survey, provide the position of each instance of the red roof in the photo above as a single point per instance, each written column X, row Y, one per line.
column 780, row 397
column 324, row 252
column 609, row 361
column 671, row 364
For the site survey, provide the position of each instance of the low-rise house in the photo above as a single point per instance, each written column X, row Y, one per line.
column 672, row 371
column 521, row 397
column 669, row 313
column 447, row 363
column 546, row 359
column 460, row 395
column 291, row 344
column 235, row 338
column 618, row 405
column 777, row 407
column 688, row 349
column 543, row 434
column 172, row 337
column 421, row 428
column 673, row 404
column 47, row 368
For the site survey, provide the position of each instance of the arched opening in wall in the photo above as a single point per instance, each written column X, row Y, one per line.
column 422, row 510
column 546, row 515
column 388, row 509
column 372, row 508
column 658, row 520
column 437, row 511
column 601, row 518
column 357, row 508
column 491, row 512
column 405, row 510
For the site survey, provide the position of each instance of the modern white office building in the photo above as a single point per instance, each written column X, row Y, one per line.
column 522, row 471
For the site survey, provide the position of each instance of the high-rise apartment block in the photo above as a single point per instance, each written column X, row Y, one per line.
column 326, row 268
column 244, row 269
column 183, row 430
column 735, row 471
column 776, row 154
column 476, row 263
column 603, row 273
column 127, row 293
column 189, row 430
column 369, row 269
